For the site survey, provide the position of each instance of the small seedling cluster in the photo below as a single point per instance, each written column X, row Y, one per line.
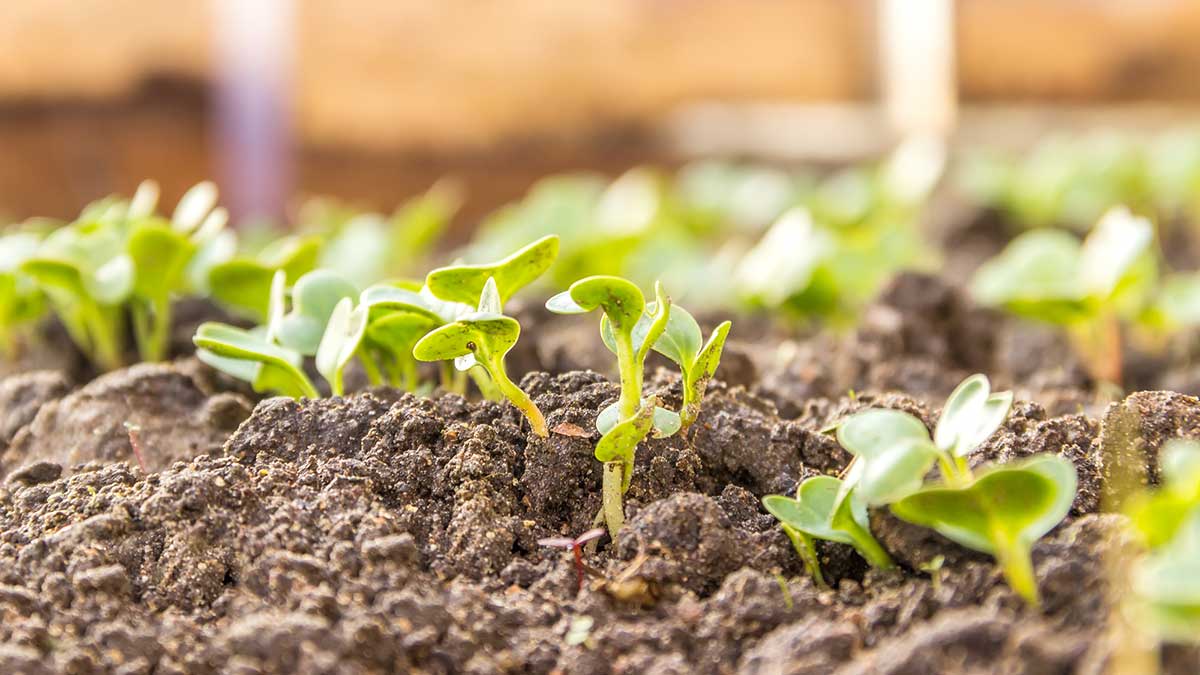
column 387, row 327
column 1070, row 180
column 118, row 262
column 630, row 328
column 1091, row 288
column 1166, row 580
column 1000, row 510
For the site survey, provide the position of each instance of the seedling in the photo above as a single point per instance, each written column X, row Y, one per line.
column 1002, row 512
column 893, row 450
column 463, row 286
column 574, row 545
column 117, row 257
column 1049, row 276
column 630, row 329
column 482, row 339
column 259, row 356
column 825, row 509
column 21, row 301
column 682, row 342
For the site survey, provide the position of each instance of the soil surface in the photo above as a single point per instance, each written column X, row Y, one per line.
column 383, row 532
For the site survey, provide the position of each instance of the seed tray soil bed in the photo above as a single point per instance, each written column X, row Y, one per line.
column 383, row 532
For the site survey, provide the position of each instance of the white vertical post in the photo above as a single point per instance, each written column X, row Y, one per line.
column 917, row 78
column 253, row 66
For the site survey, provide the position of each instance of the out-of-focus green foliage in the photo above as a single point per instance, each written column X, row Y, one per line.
column 1071, row 180
column 119, row 259
column 1166, row 580
column 366, row 248
column 726, row 235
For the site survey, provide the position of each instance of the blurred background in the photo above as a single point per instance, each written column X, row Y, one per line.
column 374, row 101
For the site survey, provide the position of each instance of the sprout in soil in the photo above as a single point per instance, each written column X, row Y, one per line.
column 1088, row 288
column 825, row 509
column 482, row 339
column 683, row 343
column 119, row 257
column 21, row 301
column 271, row 357
column 574, row 545
column 630, row 329
column 464, row 286
column 1002, row 511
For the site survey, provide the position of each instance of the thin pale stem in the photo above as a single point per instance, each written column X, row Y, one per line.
column 870, row 549
column 808, row 554
column 611, row 497
column 104, row 326
column 370, row 367
column 517, row 396
column 1016, row 561
column 631, row 377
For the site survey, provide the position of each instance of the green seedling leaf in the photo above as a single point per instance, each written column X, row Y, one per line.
column 1110, row 250
column 621, row 301
column 314, row 298
column 823, row 510
column 620, row 442
column 666, row 422
column 1003, row 512
column 971, row 415
column 343, row 334
column 159, row 256
column 486, row 337
column 681, row 342
column 244, row 284
column 892, row 450
column 278, row 369
column 1036, row 276
column 464, row 283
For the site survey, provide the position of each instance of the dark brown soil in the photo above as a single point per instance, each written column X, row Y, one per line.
column 383, row 532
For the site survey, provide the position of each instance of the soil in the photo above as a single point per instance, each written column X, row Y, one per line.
column 384, row 532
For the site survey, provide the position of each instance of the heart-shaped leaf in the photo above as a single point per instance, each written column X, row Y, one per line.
column 464, row 283
column 823, row 509
column 622, row 301
column 666, row 422
column 893, row 450
column 159, row 258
